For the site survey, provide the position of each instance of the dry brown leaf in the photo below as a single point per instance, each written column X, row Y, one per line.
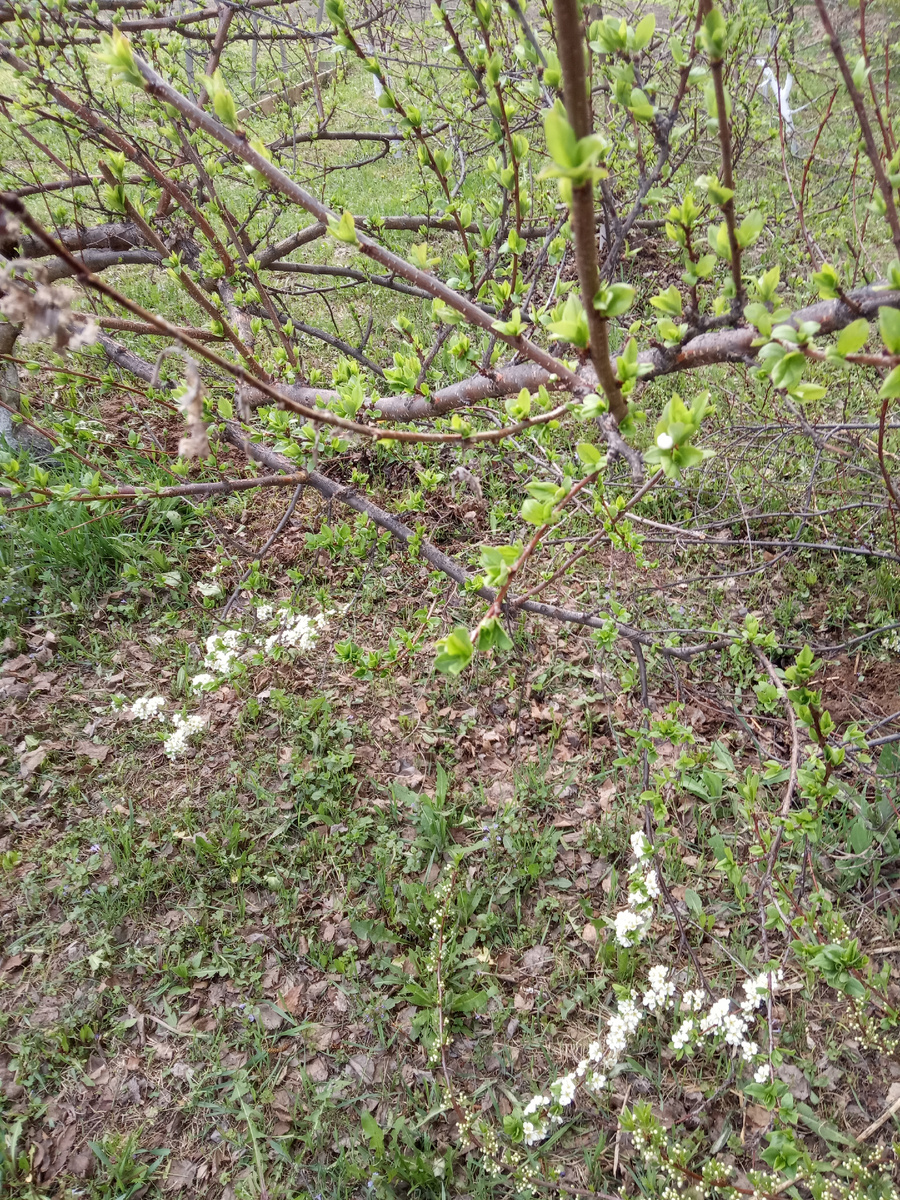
column 29, row 763
column 269, row 1017
column 339, row 1001
column 291, row 999
column 83, row 1164
column 317, row 1070
column 318, row 1036
column 535, row 960
column 363, row 1067
column 14, row 665
column 757, row 1116
column 798, row 1085
column 91, row 750
column 181, row 1175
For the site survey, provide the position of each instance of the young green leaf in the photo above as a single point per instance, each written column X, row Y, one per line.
column 454, row 651
column 345, row 229
column 889, row 325
column 853, row 338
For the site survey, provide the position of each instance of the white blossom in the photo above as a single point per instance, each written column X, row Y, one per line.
column 185, row 727
column 756, row 990
column 692, row 1001
column 661, row 990
column 683, row 1034
column 735, row 1027
column 664, row 441
column 147, row 708
column 534, row 1132
column 640, row 846
column 630, row 927
column 567, row 1085
column 715, row 1018
column 621, row 1027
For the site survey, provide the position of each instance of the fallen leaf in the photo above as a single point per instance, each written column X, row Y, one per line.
column 11, row 690
column 90, row 750
column 362, row 1066
column 290, row 1000
column 269, row 1016
column 63, row 1142
column 318, row 1036
column 14, row 665
column 181, row 1175
column 606, row 794
column 589, row 934
column 30, row 762
column 339, row 1001
column 317, row 1070
column 758, row 1116
column 795, row 1079
column 83, row 1164
column 536, row 959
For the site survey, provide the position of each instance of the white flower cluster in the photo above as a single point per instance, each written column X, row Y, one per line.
column 147, row 708
column 231, row 651
column 544, row 1110
column 298, row 631
column 661, row 990
column 632, row 924
column 185, row 728
column 536, row 1131
column 722, row 1022
column 223, row 651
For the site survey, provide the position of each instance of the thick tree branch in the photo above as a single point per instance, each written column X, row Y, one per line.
column 238, row 143
column 718, row 346
column 570, row 43
column 728, row 210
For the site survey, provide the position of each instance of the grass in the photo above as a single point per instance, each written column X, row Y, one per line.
column 217, row 969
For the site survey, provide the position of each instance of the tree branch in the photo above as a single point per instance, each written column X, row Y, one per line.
column 570, row 44
column 862, row 117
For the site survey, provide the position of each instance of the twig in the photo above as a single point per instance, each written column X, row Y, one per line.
column 289, row 512
column 862, row 117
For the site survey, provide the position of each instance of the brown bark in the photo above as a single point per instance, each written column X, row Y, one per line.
column 570, row 44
